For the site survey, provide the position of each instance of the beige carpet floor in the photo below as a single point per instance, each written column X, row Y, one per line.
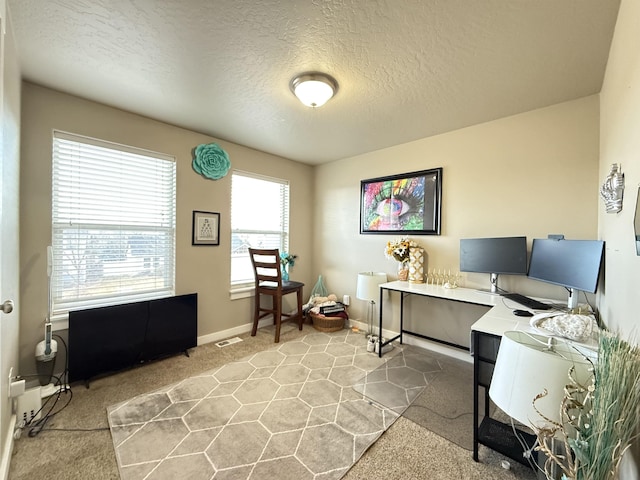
column 78, row 444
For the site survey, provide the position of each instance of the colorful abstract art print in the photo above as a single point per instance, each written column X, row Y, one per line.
column 407, row 203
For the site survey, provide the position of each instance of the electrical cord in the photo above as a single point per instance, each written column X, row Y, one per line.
column 455, row 417
column 65, row 373
column 527, row 451
column 37, row 426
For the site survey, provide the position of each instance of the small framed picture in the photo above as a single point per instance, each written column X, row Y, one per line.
column 206, row 228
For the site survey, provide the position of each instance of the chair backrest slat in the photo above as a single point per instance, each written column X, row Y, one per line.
column 266, row 266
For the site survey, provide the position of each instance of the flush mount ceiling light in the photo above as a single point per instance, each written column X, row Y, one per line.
column 314, row 89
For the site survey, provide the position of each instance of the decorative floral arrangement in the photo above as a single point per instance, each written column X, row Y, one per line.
column 600, row 419
column 211, row 161
column 398, row 249
column 287, row 260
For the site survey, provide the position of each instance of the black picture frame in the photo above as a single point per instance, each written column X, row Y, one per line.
column 205, row 228
column 407, row 203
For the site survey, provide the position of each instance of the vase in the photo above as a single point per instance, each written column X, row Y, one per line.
column 285, row 273
column 416, row 265
column 403, row 272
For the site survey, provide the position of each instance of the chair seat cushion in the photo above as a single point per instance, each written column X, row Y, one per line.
column 286, row 286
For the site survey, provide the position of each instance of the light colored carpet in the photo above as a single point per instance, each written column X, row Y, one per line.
column 405, row 451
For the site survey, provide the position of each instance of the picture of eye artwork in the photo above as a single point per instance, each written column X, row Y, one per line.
column 408, row 203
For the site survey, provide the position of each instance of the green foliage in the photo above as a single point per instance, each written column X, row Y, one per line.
column 615, row 409
column 601, row 418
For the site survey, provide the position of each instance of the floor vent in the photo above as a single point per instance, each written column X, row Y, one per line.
column 228, row 341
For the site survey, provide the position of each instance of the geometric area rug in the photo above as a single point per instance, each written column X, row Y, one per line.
column 288, row 413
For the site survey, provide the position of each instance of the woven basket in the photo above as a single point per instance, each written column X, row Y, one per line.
column 326, row 324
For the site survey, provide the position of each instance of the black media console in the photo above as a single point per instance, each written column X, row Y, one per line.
column 107, row 339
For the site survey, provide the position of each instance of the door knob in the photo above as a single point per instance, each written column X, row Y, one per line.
column 7, row 306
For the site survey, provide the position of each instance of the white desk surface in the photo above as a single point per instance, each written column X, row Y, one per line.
column 496, row 321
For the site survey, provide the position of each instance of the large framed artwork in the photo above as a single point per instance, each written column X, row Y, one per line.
column 205, row 228
column 408, row 203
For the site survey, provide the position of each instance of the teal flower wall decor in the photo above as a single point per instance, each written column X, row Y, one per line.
column 211, row 161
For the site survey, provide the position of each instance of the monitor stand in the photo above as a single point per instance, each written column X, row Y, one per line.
column 572, row 301
column 494, row 290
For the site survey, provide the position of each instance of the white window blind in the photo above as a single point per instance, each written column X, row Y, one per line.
column 113, row 223
column 259, row 219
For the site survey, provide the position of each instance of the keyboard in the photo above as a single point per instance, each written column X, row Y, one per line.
column 527, row 302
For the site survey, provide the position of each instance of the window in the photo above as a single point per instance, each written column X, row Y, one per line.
column 113, row 224
column 259, row 219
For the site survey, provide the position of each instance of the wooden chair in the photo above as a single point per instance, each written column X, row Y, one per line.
column 268, row 282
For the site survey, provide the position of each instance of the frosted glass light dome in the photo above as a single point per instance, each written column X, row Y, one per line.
column 314, row 89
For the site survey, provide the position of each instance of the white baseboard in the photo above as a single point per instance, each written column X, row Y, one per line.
column 420, row 342
column 438, row 348
column 5, row 461
column 232, row 332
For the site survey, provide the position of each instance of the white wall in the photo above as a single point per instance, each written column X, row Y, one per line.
column 620, row 143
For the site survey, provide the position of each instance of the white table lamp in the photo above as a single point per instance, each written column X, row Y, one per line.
column 526, row 366
column 368, row 289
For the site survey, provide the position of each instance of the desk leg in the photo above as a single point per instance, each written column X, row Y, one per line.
column 399, row 336
column 380, row 325
column 401, row 315
column 476, row 375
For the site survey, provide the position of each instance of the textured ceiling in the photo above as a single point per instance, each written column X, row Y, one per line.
column 407, row 69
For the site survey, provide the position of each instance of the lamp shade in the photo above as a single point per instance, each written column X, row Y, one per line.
column 368, row 285
column 525, row 367
column 314, row 89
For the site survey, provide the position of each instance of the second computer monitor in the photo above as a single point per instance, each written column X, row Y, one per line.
column 573, row 264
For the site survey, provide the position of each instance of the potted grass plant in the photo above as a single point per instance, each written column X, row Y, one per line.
column 599, row 419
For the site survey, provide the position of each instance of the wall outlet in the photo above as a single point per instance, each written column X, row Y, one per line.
column 16, row 388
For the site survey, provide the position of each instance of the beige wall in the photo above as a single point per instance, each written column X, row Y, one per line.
column 620, row 143
column 531, row 174
column 205, row 270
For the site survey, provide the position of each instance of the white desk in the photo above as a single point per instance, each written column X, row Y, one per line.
column 496, row 321
column 486, row 334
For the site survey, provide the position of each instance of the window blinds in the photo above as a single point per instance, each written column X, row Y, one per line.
column 113, row 224
column 259, row 219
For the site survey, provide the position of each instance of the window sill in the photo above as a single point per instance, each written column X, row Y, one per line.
column 241, row 291
column 60, row 322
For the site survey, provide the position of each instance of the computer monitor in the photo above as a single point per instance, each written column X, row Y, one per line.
column 573, row 264
column 503, row 255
